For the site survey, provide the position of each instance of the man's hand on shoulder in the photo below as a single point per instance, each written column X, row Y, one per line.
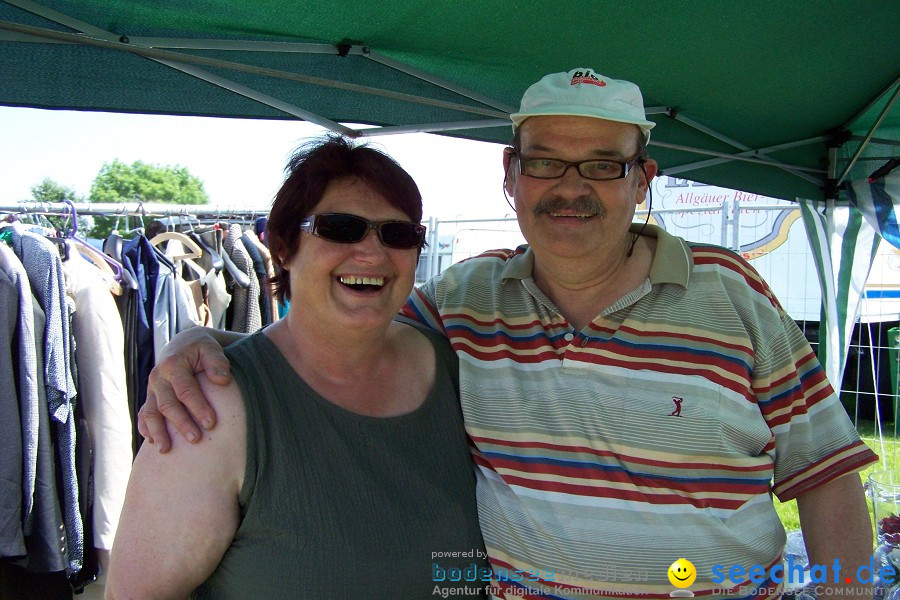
column 173, row 393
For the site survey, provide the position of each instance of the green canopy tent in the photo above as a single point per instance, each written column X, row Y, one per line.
column 752, row 95
column 790, row 100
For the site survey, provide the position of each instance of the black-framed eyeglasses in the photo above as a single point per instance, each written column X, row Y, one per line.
column 554, row 168
column 350, row 229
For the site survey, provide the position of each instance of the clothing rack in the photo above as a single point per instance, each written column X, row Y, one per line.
column 137, row 209
column 62, row 293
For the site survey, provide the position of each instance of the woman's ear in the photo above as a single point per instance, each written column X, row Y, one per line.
column 285, row 257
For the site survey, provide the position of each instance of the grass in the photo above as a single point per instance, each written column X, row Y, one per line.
column 890, row 459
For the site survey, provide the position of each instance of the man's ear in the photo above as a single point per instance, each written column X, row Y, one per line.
column 649, row 169
column 646, row 172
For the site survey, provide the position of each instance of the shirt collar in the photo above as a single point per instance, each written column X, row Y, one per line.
column 520, row 265
column 672, row 261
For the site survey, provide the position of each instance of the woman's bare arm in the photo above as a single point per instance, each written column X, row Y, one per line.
column 181, row 509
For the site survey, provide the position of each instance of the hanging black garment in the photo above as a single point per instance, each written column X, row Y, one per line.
column 142, row 261
column 127, row 304
column 18, row 584
column 90, row 568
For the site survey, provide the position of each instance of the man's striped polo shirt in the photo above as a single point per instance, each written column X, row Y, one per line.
column 655, row 433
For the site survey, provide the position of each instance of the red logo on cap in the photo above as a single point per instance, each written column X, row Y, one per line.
column 587, row 77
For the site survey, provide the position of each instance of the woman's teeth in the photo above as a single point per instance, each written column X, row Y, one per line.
column 361, row 283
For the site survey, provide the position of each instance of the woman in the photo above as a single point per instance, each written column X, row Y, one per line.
column 339, row 467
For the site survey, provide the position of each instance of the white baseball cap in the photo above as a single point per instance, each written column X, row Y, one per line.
column 583, row 93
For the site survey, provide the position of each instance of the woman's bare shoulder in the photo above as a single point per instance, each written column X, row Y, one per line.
column 223, row 446
column 228, row 402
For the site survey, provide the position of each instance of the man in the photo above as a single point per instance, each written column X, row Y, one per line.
column 572, row 351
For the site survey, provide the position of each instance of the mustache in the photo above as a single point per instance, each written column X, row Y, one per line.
column 580, row 205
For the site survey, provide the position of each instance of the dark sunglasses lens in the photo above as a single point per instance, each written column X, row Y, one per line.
column 402, row 235
column 341, row 228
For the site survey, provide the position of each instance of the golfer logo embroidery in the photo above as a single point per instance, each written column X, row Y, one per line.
column 677, row 412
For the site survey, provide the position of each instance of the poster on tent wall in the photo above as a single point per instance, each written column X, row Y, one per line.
column 769, row 233
column 766, row 231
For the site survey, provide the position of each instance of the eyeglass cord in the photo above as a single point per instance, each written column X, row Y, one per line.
column 635, row 237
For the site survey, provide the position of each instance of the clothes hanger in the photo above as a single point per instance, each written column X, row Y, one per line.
column 54, row 237
column 143, row 213
column 112, row 245
column 214, row 258
column 239, row 277
column 97, row 258
column 193, row 249
column 186, row 261
column 81, row 248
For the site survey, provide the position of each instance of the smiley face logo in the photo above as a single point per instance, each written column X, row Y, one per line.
column 682, row 573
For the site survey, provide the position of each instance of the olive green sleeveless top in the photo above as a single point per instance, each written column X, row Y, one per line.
column 340, row 505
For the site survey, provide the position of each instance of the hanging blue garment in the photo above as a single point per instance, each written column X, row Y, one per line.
column 141, row 261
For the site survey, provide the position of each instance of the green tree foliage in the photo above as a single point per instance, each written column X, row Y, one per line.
column 142, row 182
column 50, row 191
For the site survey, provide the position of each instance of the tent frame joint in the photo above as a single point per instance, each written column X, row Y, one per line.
column 837, row 137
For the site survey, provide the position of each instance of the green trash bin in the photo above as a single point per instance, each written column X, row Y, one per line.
column 894, row 362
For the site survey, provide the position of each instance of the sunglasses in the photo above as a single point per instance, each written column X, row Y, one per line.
column 350, row 229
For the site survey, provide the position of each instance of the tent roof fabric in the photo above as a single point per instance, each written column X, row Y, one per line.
column 721, row 78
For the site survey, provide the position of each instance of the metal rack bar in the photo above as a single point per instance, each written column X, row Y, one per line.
column 134, row 209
